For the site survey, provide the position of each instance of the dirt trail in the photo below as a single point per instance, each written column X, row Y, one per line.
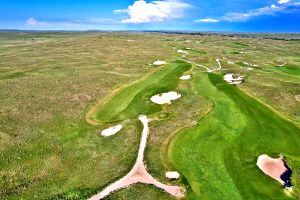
column 139, row 174
column 206, row 68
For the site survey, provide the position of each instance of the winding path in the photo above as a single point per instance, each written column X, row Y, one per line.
column 206, row 68
column 139, row 174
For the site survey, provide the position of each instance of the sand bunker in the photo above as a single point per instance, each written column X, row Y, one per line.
column 232, row 79
column 275, row 168
column 159, row 62
column 281, row 65
column 185, row 77
column 182, row 51
column 297, row 97
column 112, row 130
column 173, row 175
column 139, row 174
column 165, row 98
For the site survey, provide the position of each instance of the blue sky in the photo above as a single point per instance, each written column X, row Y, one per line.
column 196, row 15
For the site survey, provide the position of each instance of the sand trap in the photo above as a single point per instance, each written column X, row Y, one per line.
column 230, row 62
column 173, row 175
column 165, row 98
column 249, row 64
column 230, row 78
column 185, row 77
column 112, row 130
column 138, row 173
column 297, row 97
column 281, row 65
column 182, row 51
column 275, row 168
column 159, row 62
column 249, row 68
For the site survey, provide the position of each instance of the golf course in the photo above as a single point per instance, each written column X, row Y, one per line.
column 89, row 115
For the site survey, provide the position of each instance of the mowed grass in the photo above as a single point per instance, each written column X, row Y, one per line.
column 218, row 156
column 134, row 100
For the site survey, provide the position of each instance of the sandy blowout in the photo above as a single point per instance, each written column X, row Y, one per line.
column 185, row 77
column 229, row 78
column 182, row 51
column 159, row 62
column 173, row 175
column 165, row 98
column 111, row 131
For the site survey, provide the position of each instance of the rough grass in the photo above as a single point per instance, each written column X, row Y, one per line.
column 49, row 82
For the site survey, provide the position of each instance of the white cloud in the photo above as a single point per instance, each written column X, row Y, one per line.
column 207, row 20
column 67, row 23
column 156, row 11
column 240, row 17
column 283, row 1
column 273, row 6
column 33, row 22
column 244, row 16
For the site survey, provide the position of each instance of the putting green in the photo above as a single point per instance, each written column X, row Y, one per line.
column 217, row 157
column 133, row 100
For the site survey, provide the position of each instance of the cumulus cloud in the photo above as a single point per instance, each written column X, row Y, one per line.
column 156, row 11
column 33, row 22
column 207, row 20
column 245, row 16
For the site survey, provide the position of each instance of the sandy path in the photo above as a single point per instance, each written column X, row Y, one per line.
column 206, row 68
column 220, row 66
column 139, row 174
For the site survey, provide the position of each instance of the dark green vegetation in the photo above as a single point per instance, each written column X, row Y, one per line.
column 218, row 156
column 50, row 81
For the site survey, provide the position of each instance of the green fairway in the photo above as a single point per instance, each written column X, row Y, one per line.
column 218, row 156
column 134, row 100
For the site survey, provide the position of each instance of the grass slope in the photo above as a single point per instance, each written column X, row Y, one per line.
column 218, row 156
column 134, row 99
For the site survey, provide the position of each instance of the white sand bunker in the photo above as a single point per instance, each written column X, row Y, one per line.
column 185, row 77
column 173, row 175
column 182, row 51
column 297, row 97
column 281, row 65
column 275, row 168
column 233, row 79
column 159, row 62
column 112, row 130
column 165, row 98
